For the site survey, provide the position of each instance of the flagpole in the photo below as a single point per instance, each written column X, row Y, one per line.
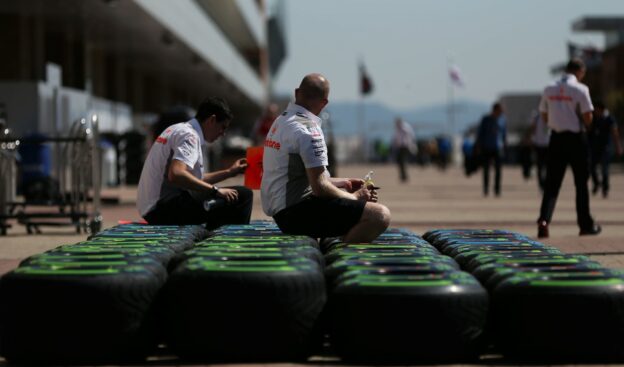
column 450, row 128
column 362, row 126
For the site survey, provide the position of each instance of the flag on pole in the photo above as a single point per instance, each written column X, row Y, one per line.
column 455, row 75
column 366, row 85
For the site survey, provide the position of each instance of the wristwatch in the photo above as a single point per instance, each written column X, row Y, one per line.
column 214, row 190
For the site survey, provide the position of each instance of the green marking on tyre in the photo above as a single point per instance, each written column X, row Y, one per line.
column 64, row 271
column 536, row 260
column 398, row 283
column 242, row 249
column 434, row 267
column 79, row 263
column 389, row 247
column 241, row 254
column 250, row 269
column 276, row 263
column 71, row 256
column 577, row 283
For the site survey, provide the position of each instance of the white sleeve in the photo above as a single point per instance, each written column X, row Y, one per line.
column 311, row 147
column 584, row 100
column 185, row 147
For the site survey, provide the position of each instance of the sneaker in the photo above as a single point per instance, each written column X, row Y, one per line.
column 595, row 189
column 542, row 229
column 593, row 230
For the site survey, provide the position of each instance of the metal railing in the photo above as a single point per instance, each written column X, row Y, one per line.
column 78, row 173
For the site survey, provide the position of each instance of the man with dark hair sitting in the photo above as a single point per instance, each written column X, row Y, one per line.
column 174, row 189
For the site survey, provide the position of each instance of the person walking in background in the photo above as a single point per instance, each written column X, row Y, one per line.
column 490, row 146
column 603, row 130
column 540, row 137
column 403, row 146
column 263, row 124
column 568, row 145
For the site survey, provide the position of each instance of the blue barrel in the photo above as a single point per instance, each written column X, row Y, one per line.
column 36, row 158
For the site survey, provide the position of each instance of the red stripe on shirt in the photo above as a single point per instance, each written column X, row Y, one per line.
column 560, row 98
column 161, row 140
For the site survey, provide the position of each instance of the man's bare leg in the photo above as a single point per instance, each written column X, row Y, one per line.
column 375, row 219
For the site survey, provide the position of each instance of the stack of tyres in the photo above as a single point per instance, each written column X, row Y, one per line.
column 544, row 304
column 89, row 302
column 399, row 300
column 237, row 297
column 560, row 314
column 178, row 238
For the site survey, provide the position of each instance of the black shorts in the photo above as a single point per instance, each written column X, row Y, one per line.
column 183, row 209
column 318, row 217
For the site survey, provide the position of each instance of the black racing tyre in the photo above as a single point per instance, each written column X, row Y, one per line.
column 502, row 274
column 256, row 254
column 338, row 268
column 196, row 232
column 391, row 255
column 238, row 314
column 390, row 273
column 535, row 254
column 162, row 254
column 70, row 263
column 51, row 316
column 569, row 318
column 456, row 249
column 326, row 244
column 384, row 247
column 177, row 244
column 433, row 235
column 465, row 258
column 335, row 255
column 485, row 271
column 349, row 264
column 301, row 251
column 510, row 240
column 285, row 239
column 408, row 320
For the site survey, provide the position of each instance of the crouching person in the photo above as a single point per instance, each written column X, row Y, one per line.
column 173, row 188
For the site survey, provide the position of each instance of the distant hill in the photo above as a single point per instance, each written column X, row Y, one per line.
column 379, row 119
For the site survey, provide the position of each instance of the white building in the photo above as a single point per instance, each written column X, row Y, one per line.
column 62, row 59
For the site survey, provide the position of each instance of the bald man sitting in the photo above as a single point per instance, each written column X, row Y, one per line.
column 297, row 190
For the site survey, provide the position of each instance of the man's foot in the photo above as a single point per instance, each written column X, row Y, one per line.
column 593, row 230
column 542, row 229
column 605, row 193
column 595, row 189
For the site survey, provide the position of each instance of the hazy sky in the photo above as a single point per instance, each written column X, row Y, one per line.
column 499, row 45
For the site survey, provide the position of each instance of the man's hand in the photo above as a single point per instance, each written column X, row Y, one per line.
column 229, row 195
column 364, row 194
column 238, row 167
column 349, row 184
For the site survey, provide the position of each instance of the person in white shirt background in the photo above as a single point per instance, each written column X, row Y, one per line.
column 403, row 146
column 568, row 145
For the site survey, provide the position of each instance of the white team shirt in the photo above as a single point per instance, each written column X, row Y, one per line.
column 183, row 142
column 294, row 142
column 560, row 101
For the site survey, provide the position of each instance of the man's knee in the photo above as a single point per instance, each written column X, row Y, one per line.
column 244, row 194
column 377, row 214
